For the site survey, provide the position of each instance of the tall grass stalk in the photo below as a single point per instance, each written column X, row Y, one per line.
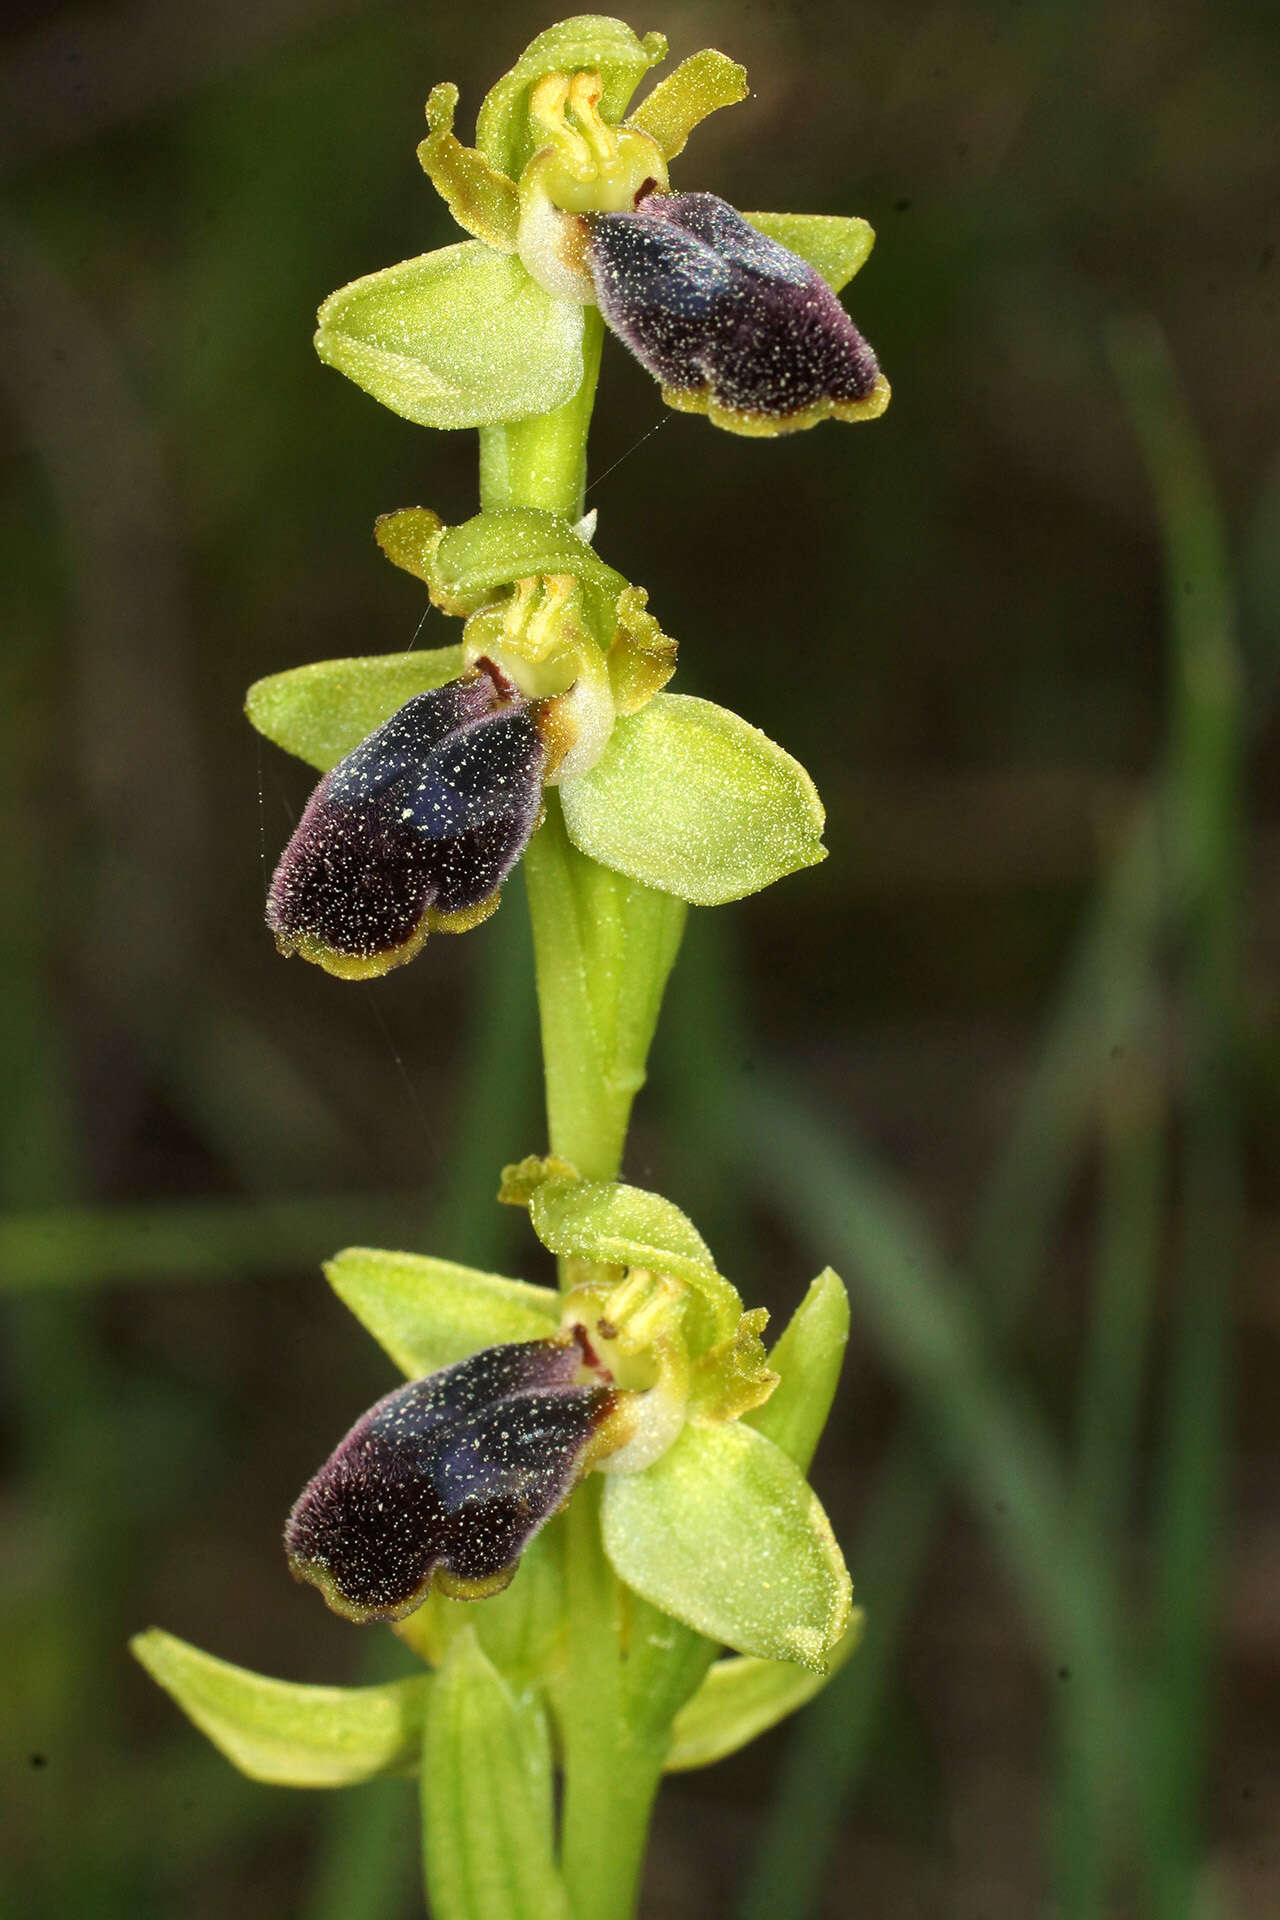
column 1203, row 850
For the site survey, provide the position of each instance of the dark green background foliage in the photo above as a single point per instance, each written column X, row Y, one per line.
column 996, row 626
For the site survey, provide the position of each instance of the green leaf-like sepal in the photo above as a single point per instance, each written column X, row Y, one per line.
column 807, row 1361
column 289, row 1735
column 697, row 87
column 724, row 1533
column 836, row 244
column 428, row 1313
column 622, row 1226
column 692, row 799
column 322, row 711
column 480, row 198
column 487, row 1796
column 588, row 43
column 458, row 338
column 742, row 1697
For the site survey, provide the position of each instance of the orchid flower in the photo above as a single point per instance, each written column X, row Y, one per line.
column 570, row 206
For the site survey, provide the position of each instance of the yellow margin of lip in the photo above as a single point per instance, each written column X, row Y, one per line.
column 763, row 426
column 369, row 966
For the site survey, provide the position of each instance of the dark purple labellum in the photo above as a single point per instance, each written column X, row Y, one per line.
column 446, row 1481
column 733, row 324
column 416, row 829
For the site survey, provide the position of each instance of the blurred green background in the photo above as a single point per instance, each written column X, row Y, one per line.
column 1010, row 1059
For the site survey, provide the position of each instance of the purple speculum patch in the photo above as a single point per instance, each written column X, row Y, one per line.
column 421, row 822
column 446, row 1480
column 719, row 312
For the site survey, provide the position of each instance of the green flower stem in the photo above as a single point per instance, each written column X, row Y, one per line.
column 604, row 947
column 543, row 462
column 611, row 1774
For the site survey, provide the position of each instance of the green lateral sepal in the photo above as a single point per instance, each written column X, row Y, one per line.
column 743, row 1697
column 323, row 711
column 286, row 1734
column 836, row 244
column 428, row 1313
column 724, row 1534
column 487, row 1798
column 458, row 338
column 693, row 800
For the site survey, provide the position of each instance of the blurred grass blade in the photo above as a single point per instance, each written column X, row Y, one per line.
column 1016, row 1218
column 1204, row 850
column 192, row 1239
column 1019, row 1209
column 366, row 1856
column 930, row 1333
column 931, row 1336
column 1116, row 1336
column 1129, row 1222
column 1259, row 592
column 823, row 1761
column 1024, row 1196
